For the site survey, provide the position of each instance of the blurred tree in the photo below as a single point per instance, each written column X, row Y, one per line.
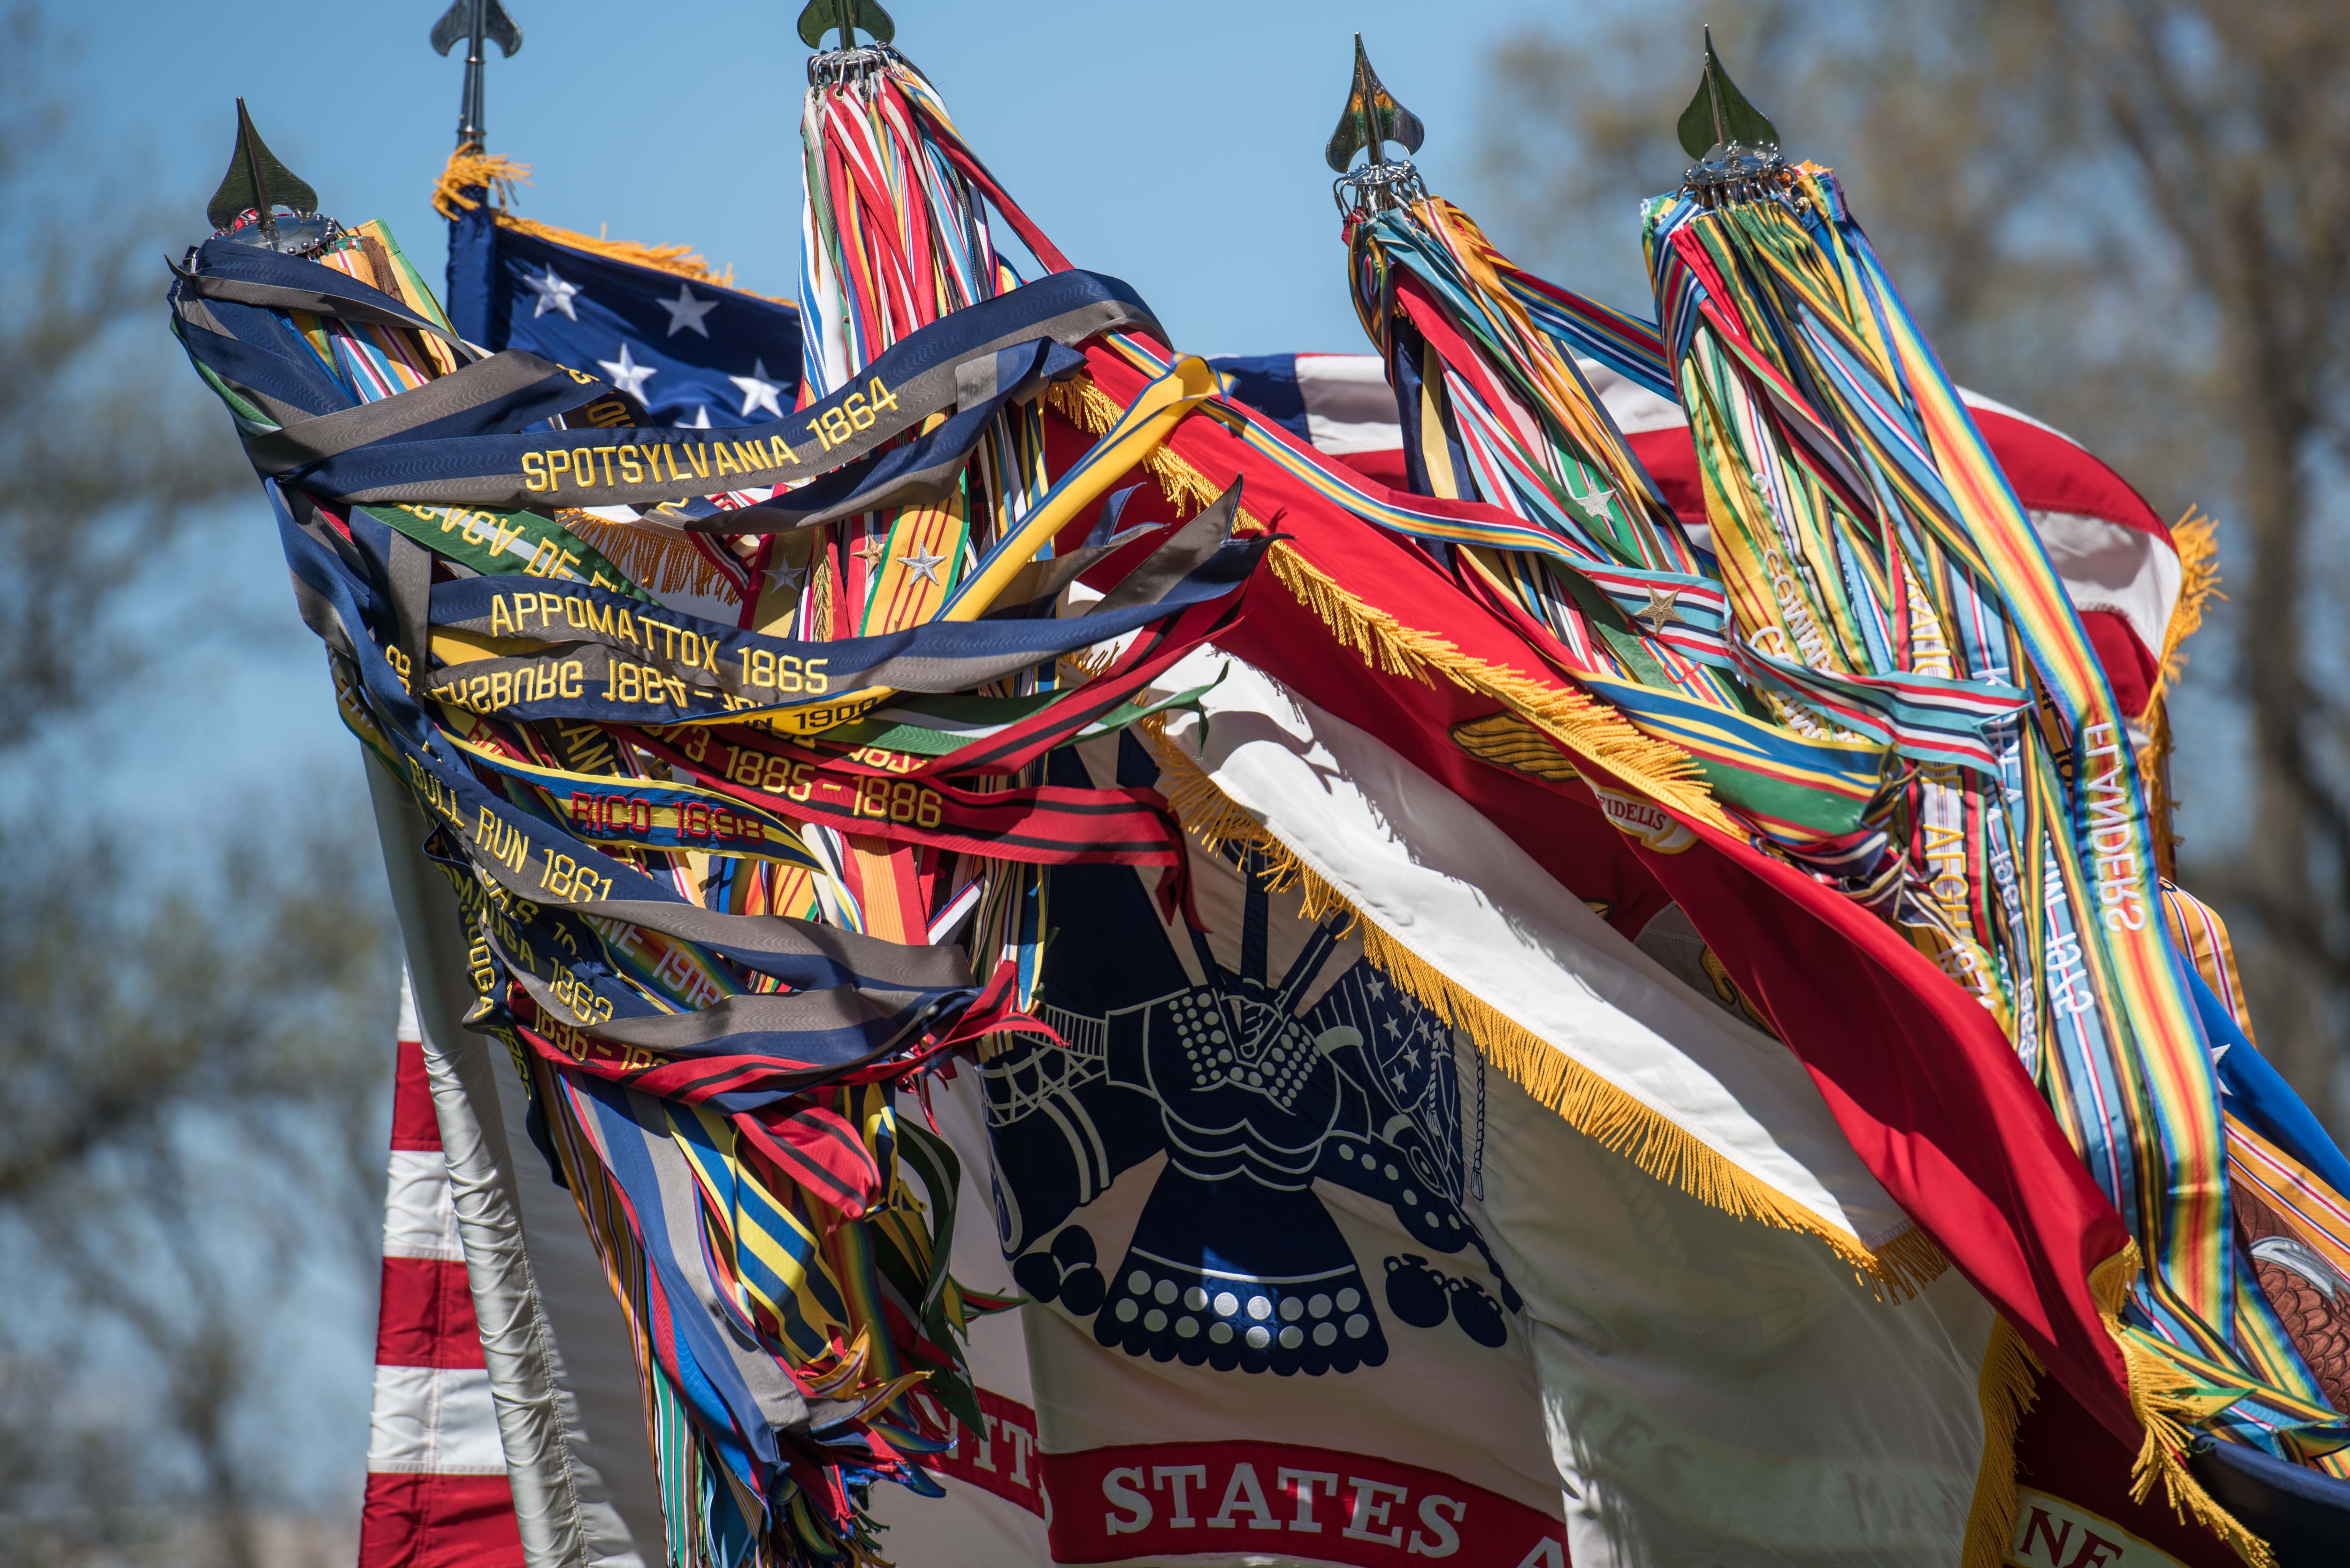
column 194, row 1069
column 2131, row 217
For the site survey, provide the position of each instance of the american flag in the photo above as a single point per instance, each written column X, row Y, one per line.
column 437, row 1492
column 695, row 352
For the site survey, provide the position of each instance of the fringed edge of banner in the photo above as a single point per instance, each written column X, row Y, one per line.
column 659, row 560
column 1582, row 1099
column 1086, row 406
column 1905, row 1264
column 2155, row 1397
column 471, row 169
column 678, row 260
column 2195, row 537
column 2006, row 1391
column 1658, row 769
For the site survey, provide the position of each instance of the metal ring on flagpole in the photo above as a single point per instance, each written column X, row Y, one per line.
column 1377, row 188
column 860, row 64
column 1737, row 173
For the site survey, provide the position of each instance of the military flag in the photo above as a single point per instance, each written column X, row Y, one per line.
column 690, row 1022
column 1425, row 953
column 1122, row 1149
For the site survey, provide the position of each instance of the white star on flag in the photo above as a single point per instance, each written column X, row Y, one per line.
column 700, row 421
column 685, row 312
column 924, row 564
column 554, row 294
column 758, row 392
column 627, row 375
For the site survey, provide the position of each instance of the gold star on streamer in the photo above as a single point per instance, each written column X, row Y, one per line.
column 870, row 550
column 1663, row 609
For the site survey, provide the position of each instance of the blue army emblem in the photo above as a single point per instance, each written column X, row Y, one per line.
column 1259, row 1081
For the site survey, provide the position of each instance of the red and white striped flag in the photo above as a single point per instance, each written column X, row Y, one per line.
column 437, row 1492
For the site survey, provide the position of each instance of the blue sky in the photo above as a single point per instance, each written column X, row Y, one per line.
column 1177, row 147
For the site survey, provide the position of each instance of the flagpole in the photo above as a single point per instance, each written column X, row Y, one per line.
column 469, row 112
column 477, row 22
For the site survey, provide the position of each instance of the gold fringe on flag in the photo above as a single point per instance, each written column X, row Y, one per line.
column 2195, row 537
column 657, row 559
column 2006, row 1391
column 1585, row 1101
column 2161, row 1398
column 1658, row 769
column 470, row 169
column 1086, row 406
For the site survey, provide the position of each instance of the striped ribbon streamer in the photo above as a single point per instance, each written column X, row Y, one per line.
column 1507, row 344
column 714, row 1023
column 896, row 235
column 1861, row 521
column 1900, row 633
column 1774, row 774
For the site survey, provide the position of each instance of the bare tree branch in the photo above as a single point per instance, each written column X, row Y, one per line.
column 196, row 1071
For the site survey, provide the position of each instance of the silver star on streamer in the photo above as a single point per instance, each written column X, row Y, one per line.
column 685, row 312
column 626, row 374
column 1662, row 610
column 758, row 392
column 700, row 421
column 787, row 576
column 1595, row 504
column 924, row 564
column 554, row 294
